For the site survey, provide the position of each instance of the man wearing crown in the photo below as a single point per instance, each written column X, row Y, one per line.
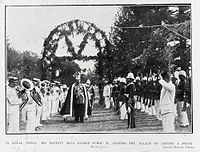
column 76, row 102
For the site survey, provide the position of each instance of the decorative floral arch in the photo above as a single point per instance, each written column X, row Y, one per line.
column 89, row 31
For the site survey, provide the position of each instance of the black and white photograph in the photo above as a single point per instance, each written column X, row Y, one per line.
column 98, row 69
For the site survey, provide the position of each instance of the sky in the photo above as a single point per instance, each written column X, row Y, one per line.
column 27, row 27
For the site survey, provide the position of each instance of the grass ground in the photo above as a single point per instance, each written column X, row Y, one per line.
column 105, row 121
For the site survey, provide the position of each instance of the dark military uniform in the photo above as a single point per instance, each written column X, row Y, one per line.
column 181, row 95
column 144, row 91
column 138, row 91
column 151, row 93
column 117, row 101
column 157, row 91
column 188, row 91
column 115, row 95
column 130, row 91
column 92, row 95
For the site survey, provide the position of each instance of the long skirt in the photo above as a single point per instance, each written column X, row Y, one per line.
column 123, row 111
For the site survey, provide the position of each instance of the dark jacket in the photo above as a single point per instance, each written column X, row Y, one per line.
column 181, row 90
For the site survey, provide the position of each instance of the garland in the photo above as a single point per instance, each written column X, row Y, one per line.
column 89, row 30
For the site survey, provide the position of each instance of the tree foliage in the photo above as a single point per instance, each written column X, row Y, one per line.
column 144, row 48
column 22, row 64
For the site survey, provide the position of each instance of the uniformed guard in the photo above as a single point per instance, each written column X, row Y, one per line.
column 115, row 93
column 43, row 90
column 56, row 95
column 143, row 93
column 36, row 83
column 152, row 110
column 107, row 94
column 182, row 102
column 89, row 112
column 92, row 95
column 122, row 99
column 63, row 95
column 28, row 108
column 157, row 91
column 13, row 103
column 54, row 99
column 130, row 92
column 138, row 92
column 48, row 98
column 147, row 93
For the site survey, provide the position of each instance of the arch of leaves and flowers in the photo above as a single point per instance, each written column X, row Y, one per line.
column 90, row 32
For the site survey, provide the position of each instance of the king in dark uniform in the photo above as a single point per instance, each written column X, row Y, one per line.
column 76, row 103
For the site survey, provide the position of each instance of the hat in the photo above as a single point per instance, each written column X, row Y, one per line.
column 183, row 73
column 178, row 69
column 88, row 82
column 57, row 88
column 42, row 84
column 53, row 84
column 46, row 81
column 13, row 79
column 64, row 86
column 27, row 84
column 137, row 78
column 115, row 80
column 36, row 79
column 57, row 82
column 154, row 78
column 118, row 79
column 144, row 79
column 77, row 75
column 123, row 80
column 130, row 76
column 150, row 78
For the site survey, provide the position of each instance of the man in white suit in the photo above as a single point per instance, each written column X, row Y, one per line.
column 13, row 102
column 106, row 94
column 167, row 108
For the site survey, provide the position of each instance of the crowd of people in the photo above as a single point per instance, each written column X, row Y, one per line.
column 32, row 102
column 165, row 95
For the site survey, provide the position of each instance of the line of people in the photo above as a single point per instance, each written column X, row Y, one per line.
column 146, row 94
column 32, row 102
column 35, row 101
